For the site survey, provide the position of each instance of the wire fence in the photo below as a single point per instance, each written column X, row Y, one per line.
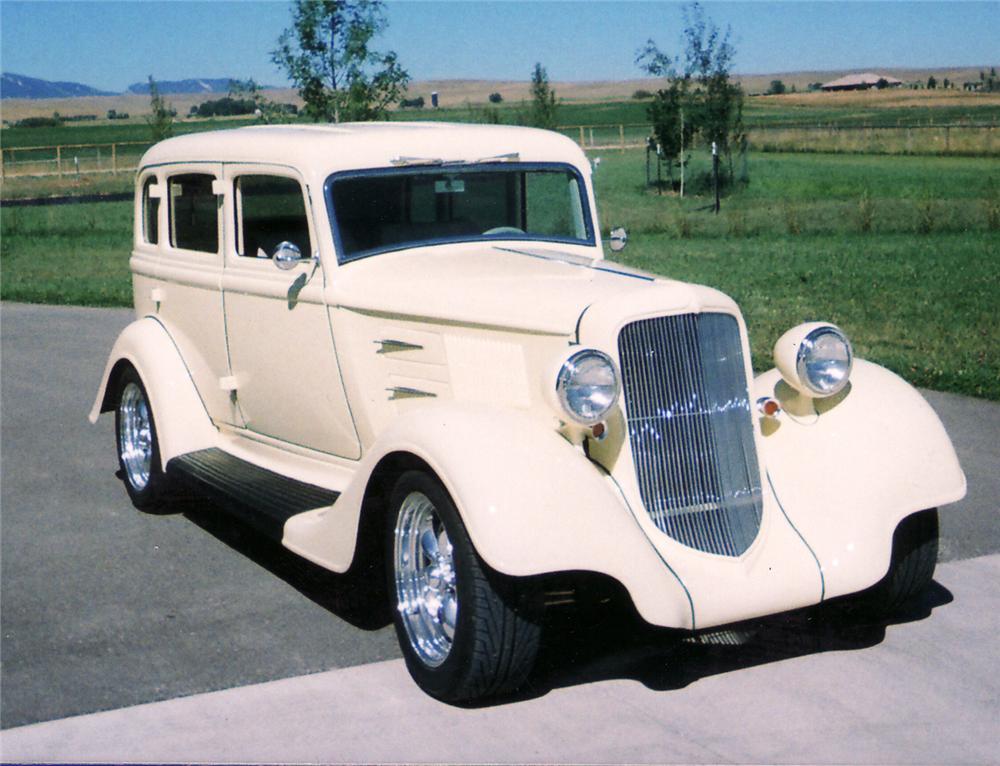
column 958, row 139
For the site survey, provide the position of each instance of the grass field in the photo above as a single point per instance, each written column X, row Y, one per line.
column 902, row 252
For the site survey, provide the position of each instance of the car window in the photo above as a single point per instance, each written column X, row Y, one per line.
column 194, row 214
column 270, row 210
column 150, row 212
column 383, row 210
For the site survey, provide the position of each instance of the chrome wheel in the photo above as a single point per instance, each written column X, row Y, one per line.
column 426, row 595
column 135, row 436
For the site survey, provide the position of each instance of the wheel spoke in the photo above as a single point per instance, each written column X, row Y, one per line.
column 425, row 579
column 429, row 544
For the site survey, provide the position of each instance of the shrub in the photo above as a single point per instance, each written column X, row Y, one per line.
column 39, row 122
column 641, row 94
column 412, row 103
column 495, row 98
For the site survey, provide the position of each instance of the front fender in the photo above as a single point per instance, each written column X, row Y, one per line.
column 182, row 422
column 532, row 504
column 849, row 468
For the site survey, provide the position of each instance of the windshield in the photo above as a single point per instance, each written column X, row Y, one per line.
column 379, row 210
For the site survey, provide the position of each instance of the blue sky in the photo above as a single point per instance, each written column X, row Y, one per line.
column 111, row 44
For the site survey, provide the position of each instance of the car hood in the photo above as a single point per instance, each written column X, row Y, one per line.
column 524, row 288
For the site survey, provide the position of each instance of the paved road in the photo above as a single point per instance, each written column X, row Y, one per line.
column 104, row 607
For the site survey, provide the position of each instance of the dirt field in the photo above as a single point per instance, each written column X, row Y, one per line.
column 459, row 92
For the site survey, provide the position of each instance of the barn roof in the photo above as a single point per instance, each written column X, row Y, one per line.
column 860, row 80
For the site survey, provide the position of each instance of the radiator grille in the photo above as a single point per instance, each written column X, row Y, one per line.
column 690, row 429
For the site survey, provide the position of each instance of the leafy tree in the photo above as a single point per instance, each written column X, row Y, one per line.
column 495, row 98
column 543, row 100
column 931, row 82
column 883, row 83
column 161, row 120
column 699, row 97
column 247, row 94
column 327, row 54
column 776, row 88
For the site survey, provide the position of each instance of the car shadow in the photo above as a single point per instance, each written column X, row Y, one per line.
column 584, row 644
column 585, row 648
column 357, row 597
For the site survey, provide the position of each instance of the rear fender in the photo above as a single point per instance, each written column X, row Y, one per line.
column 849, row 468
column 182, row 422
column 532, row 503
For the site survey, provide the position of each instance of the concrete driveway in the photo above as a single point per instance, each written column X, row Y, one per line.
column 103, row 608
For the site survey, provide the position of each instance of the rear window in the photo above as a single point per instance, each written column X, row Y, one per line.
column 194, row 213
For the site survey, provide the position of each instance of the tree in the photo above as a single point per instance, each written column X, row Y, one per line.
column 543, row 100
column 776, row 88
column 247, row 94
column 495, row 98
column 699, row 97
column 327, row 54
column 931, row 83
column 161, row 120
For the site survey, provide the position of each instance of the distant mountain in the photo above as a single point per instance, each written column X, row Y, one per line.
column 21, row 86
column 216, row 85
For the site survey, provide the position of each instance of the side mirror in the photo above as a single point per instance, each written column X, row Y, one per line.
column 618, row 239
column 287, row 256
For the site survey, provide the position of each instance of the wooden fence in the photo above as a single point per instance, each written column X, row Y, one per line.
column 925, row 139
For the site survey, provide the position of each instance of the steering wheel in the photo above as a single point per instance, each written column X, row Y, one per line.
column 503, row 230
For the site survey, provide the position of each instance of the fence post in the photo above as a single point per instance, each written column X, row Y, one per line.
column 591, row 136
column 583, row 142
column 947, row 139
column 59, row 161
column 621, row 135
column 114, row 159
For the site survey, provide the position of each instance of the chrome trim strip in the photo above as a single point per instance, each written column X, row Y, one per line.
column 404, row 392
column 390, row 346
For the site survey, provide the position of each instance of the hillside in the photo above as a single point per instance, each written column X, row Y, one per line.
column 21, row 86
column 171, row 87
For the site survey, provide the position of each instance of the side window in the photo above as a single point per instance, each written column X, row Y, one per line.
column 150, row 213
column 270, row 210
column 193, row 213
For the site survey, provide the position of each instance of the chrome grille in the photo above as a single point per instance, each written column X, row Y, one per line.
column 690, row 429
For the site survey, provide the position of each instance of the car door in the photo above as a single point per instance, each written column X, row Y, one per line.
column 186, row 294
column 285, row 376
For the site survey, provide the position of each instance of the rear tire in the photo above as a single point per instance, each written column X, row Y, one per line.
column 137, row 444
column 911, row 569
column 466, row 632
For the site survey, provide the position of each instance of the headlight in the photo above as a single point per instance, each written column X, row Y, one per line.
column 824, row 360
column 588, row 386
column 814, row 358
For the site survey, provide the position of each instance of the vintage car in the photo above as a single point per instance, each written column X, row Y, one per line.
column 408, row 334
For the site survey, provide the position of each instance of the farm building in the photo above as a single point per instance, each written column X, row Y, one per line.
column 862, row 82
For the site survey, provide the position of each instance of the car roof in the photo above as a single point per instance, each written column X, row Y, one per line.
column 325, row 148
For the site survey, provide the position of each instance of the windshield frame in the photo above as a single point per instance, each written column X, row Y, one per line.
column 459, row 167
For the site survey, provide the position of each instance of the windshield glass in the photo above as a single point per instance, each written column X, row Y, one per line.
column 381, row 210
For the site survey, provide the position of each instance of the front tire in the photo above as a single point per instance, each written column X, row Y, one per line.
column 911, row 569
column 137, row 445
column 466, row 632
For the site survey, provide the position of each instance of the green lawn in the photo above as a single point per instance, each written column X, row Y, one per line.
column 918, row 291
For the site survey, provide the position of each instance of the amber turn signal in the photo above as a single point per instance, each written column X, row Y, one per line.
column 768, row 407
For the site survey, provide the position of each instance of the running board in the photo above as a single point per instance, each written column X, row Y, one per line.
column 263, row 498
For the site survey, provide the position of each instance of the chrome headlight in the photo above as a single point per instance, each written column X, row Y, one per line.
column 824, row 360
column 588, row 386
column 815, row 358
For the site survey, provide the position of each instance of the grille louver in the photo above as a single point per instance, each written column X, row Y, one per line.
column 690, row 429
